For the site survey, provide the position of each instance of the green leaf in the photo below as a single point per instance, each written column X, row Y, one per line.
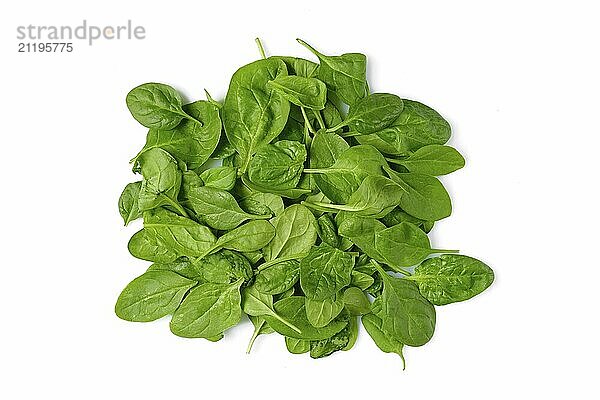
column 217, row 208
column 297, row 346
column 128, row 202
column 434, row 160
column 253, row 115
column 339, row 181
column 278, row 166
column 361, row 280
column 162, row 180
column 342, row 340
column 424, row 196
column 452, row 278
column 406, row 315
column 292, row 309
column 417, row 126
column 152, row 295
column 304, row 92
column 224, row 266
column 278, row 278
column 404, row 245
column 324, row 271
column 321, row 312
column 374, row 327
column 258, row 304
column 251, row 236
column 156, row 105
column 181, row 266
column 295, row 233
column 327, row 231
column 192, row 141
column 346, row 75
column 147, row 247
column 219, row 178
column 293, row 193
column 181, row 235
column 208, row 310
column 373, row 113
column 355, row 301
column 262, row 203
column 376, row 197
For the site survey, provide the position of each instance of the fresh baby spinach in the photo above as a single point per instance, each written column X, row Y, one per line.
column 302, row 201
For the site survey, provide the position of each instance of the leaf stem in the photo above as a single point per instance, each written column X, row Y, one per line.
column 319, row 118
column 309, row 47
column 307, row 122
column 178, row 207
column 275, row 261
column 315, row 170
column 283, row 321
column 337, row 127
column 440, row 251
column 394, row 161
column 261, row 49
column 255, row 335
column 342, row 207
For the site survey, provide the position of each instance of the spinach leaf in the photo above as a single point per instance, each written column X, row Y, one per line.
column 321, row 312
column 417, row 126
column 152, row 295
column 325, row 149
column 224, row 266
column 162, row 180
column 324, row 271
column 217, row 208
column 252, row 236
column 292, row 309
column 262, row 203
column 191, row 142
column 305, row 92
column 297, row 346
column 219, row 178
column 374, row 327
column 156, row 105
column 346, row 75
column 293, row 193
column 208, row 310
column 295, row 234
column 376, row 196
column 373, row 113
column 350, row 169
column 259, row 304
column 278, row 278
column 260, row 328
column 406, row 315
column 342, row 340
column 146, row 247
column 182, row 235
column 451, row 278
column 181, row 266
column 279, row 165
column 253, row 115
column 299, row 66
column 355, row 301
column 424, row 196
column 327, row 230
column 434, row 160
column 361, row 280
column 404, row 245
column 128, row 202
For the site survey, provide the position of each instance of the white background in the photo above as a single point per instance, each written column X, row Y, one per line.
column 517, row 80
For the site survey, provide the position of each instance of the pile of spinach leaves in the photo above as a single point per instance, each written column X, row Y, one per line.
column 302, row 201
